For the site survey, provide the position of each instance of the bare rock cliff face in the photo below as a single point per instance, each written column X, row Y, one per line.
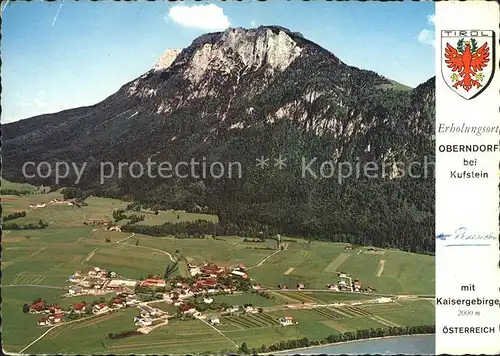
column 167, row 59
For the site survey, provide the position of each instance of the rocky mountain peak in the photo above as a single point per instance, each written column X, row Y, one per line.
column 167, row 59
column 239, row 49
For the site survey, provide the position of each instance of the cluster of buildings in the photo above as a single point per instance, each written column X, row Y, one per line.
column 54, row 313
column 50, row 320
column 66, row 202
column 53, row 201
column 98, row 222
column 40, row 205
column 113, row 228
column 97, row 281
column 183, row 291
column 108, row 225
column 216, row 271
column 117, row 303
column 150, row 315
column 190, row 309
column 346, row 284
column 207, row 281
column 236, row 308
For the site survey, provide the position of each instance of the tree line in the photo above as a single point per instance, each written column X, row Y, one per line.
column 14, row 226
column 15, row 215
column 341, row 337
column 120, row 215
column 202, row 228
column 15, row 192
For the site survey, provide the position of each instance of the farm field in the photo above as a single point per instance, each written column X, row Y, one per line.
column 403, row 272
column 225, row 251
column 37, row 264
column 318, row 323
column 244, row 298
column 18, row 328
column 324, row 297
column 178, row 337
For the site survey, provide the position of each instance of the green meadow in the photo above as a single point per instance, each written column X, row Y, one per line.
column 7, row 185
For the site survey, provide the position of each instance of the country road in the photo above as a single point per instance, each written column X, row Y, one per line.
column 56, row 326
column 149, row 248
column 126, row 238
column 79, row 320
column 39, row 338
column 220, row 332
column 154, row 249
column 406, row 296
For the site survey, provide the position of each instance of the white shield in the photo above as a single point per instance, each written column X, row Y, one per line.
column 467, row 60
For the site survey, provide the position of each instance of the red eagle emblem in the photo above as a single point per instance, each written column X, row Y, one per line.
column 467, row 61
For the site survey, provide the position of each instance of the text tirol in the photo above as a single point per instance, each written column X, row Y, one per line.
column 466, row 33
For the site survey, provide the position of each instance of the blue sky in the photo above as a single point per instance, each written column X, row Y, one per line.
column 61, row 55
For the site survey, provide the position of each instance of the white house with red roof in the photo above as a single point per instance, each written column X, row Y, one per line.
column 286, row 320
column 43, row 321
column 100, row 308
column 38, row 307
column 119, row 303
column 188, row 309
column 54, row 319
column 79, row 307
column 55, row 309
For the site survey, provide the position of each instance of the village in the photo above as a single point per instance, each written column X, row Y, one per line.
column 206, row 280
column 193, row 297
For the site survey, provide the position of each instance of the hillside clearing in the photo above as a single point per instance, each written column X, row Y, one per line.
column 337, row 262
column 381, row 268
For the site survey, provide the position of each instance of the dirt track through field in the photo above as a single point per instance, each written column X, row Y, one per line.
column 266, row 258
column 79, row 240
column 290, row 270
column 384, row 321
column 381, row 268
column 90, row 255
column 336, row 263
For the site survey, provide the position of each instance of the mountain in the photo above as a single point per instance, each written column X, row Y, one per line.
column 241, row 94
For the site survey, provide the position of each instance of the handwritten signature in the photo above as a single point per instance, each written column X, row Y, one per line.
column 461, row 234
